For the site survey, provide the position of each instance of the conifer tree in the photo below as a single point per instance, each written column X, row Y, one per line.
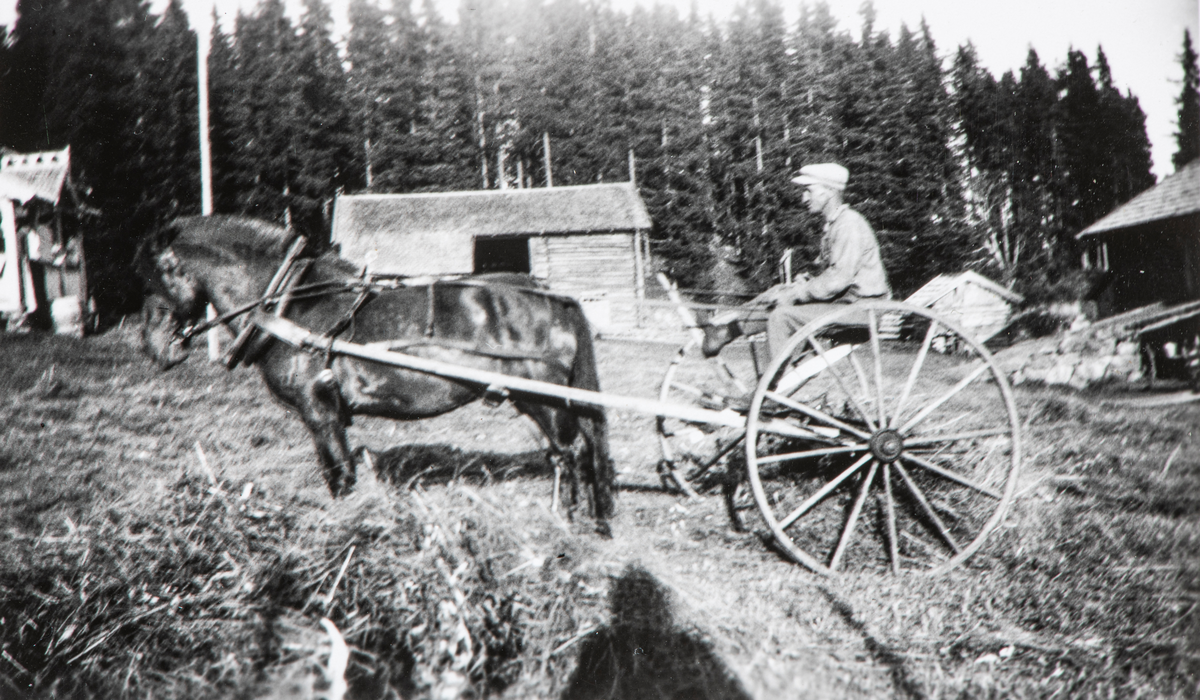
column 168, row 91
column 266, row 159
column 1125, row 147
column 1081, row 199
column 225, row 94
column 673, row 176
column 1187, row 138
column 748, row 157
column 28, row 55
column 1033, row 167
column 924, row 234
column 324, row 137
column 444, row 149
column 83, row 60
column 370, row 50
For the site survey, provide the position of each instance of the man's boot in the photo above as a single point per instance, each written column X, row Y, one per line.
column 718, row 336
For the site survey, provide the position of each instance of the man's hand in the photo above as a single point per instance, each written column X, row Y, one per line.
column 796, row 293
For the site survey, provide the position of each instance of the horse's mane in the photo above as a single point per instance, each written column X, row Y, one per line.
column 238, row 235
column 231, row 233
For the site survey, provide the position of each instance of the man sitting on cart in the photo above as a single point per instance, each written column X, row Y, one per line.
column 853, row 270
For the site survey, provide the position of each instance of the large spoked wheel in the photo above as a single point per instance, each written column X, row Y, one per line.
column 882, row 437
column 697, row 457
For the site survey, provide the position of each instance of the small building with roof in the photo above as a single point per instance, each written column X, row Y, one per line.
column 43, row 278
column 980, row 306
column 1150, row 245
column 588, row 241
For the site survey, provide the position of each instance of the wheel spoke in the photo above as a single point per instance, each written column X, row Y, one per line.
column 889, row 502
column 729, row 375
column 963, row 384
column 920, row 496
column 789, row 456
column 841, row 382
column 848, row 531
column 687, row 388
column 878, row 350
column 819, row 415
column 682, row 483
column 802, row 371
column 916, row 370
column 708, row 464
column 822, row 493
column 927, row 440
column 947, row 474
column 782, row 428
column 864, row 386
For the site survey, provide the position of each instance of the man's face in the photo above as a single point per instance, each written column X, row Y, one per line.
column 816, row 197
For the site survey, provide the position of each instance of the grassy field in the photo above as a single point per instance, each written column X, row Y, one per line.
column 168, row 535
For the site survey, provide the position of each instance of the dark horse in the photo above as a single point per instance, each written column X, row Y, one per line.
column 501, row 323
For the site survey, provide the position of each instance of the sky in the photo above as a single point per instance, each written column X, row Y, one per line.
column 1141, row 38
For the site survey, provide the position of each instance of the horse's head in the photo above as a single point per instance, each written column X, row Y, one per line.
column 194, row 261
column 174, row 299
column 161, row 338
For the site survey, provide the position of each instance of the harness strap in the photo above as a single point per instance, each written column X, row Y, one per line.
column 289, row 286
column 234, row 354
column 431, row 318
column 365, row 295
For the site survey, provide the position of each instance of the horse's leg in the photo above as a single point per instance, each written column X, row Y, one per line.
column 572, row 439
column 590, row 422
column 323, row 411
column 592, row 452
column 559, row 457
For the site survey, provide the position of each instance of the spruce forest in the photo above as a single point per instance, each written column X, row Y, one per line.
column 954, row 167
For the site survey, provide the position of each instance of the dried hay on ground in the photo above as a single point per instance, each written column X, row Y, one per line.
column 127, row 569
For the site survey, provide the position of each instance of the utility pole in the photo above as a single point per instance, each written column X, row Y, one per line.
column 203, row 41
column 203, row 44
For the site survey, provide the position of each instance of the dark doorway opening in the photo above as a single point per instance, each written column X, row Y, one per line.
column 507, row 254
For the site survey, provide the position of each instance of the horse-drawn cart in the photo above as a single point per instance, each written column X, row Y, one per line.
column 882, row 436
column 825, row 432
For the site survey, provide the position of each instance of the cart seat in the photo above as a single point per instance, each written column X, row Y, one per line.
column 846, row 334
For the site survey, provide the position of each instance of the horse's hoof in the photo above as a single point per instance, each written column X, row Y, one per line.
column 343, row 489
column 604, row 529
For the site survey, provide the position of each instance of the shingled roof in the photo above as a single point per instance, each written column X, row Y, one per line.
column 1177, row 195
column 42, row 173
column 533, row 211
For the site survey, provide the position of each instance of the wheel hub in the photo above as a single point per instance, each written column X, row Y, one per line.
column 887, row 445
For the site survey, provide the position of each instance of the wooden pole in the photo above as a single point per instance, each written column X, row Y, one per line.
column 301, row 338
column 206, row 193
column 203, row 41
column 546, row 158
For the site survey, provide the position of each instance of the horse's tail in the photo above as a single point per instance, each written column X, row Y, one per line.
column 593, row 420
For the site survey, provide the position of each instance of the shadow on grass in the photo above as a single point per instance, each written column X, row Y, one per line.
column 641, row 653
column 408, row 465
column 906, row 686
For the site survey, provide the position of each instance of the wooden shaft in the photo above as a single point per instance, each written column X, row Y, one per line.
column 301, row 338
column 235, row 350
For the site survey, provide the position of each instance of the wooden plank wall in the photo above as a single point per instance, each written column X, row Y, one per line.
column 598, row 268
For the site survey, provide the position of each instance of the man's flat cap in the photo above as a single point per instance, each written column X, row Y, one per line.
column 825, row 174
